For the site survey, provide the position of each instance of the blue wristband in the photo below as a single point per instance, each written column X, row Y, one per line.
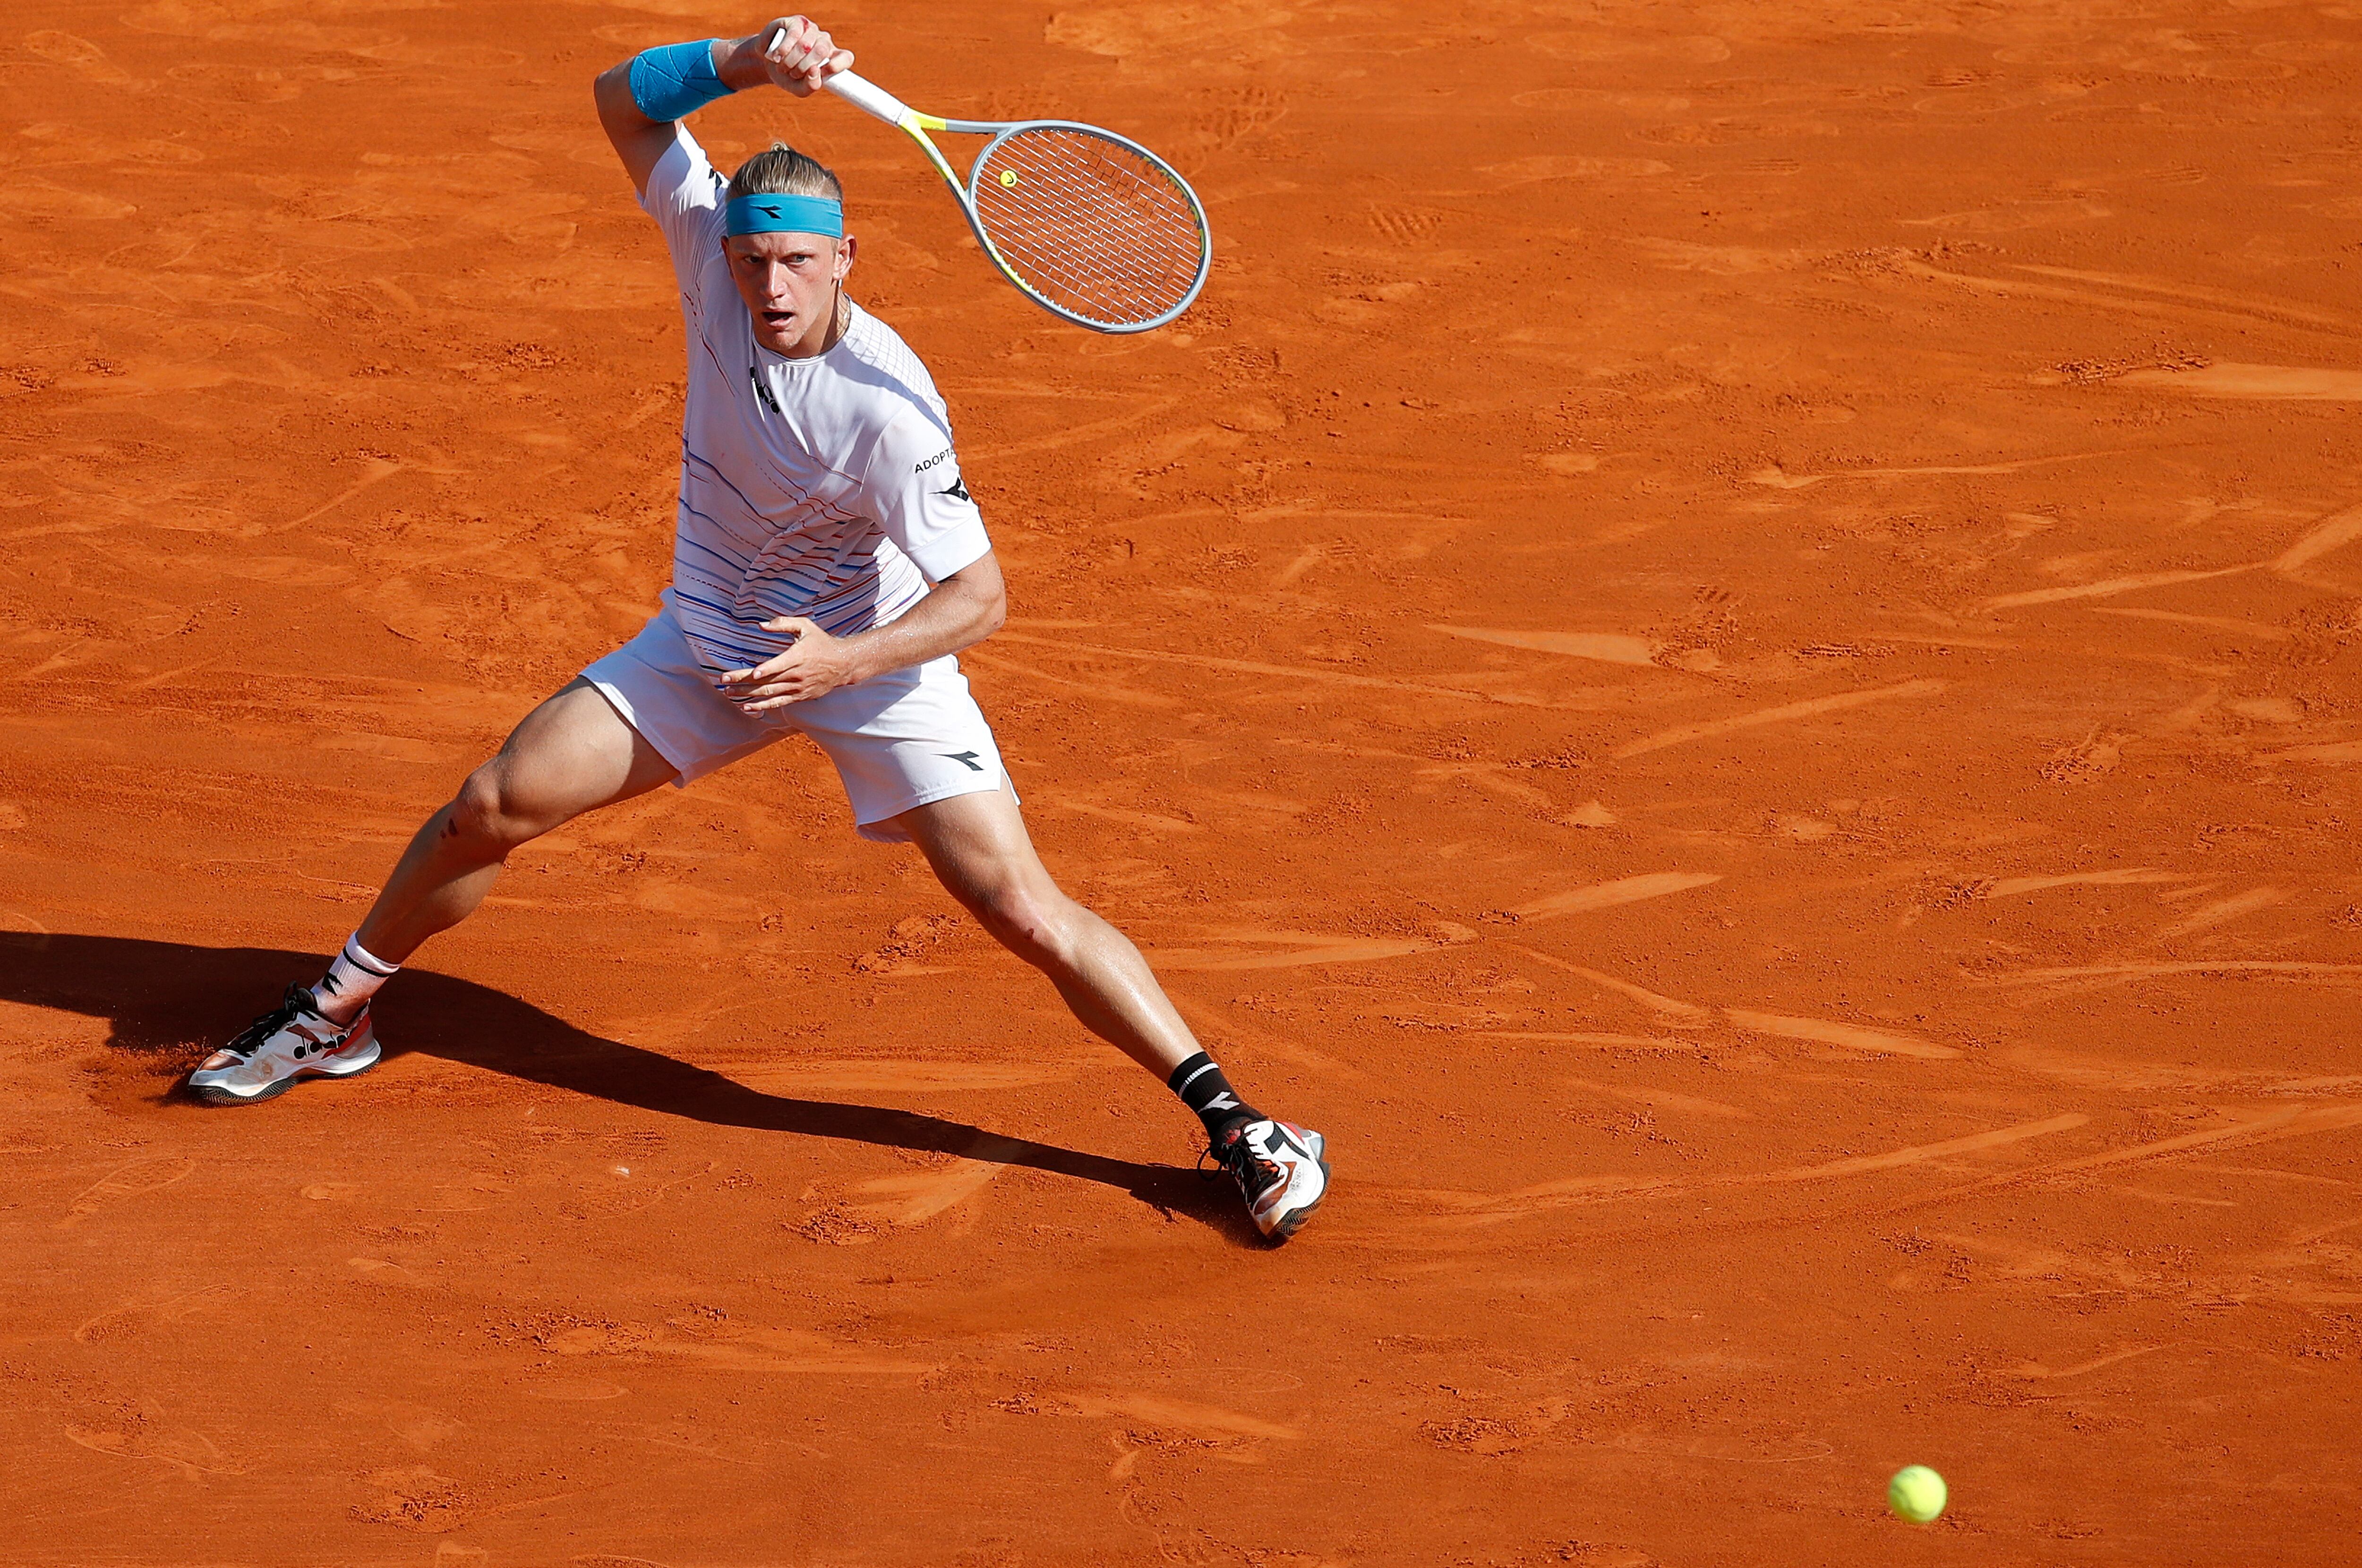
column 673, row 82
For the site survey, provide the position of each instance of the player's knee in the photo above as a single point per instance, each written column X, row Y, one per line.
column 489, row 816
column 1032, row 922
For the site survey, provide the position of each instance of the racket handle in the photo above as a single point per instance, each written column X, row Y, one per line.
column 869, row 97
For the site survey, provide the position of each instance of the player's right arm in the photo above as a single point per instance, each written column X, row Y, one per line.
column 791, row 54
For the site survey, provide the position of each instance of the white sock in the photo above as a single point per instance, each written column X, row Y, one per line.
column 351, row 981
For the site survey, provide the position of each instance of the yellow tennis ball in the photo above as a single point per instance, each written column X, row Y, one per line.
column 1008, row 176
column 1916, row 1494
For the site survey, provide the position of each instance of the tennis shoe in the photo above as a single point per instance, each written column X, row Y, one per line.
column 1280, row 1172
column 294, row 1040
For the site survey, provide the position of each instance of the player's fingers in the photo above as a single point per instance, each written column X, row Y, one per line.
column 787, row 45
column 770, row 697
column 735, row 683
column 795, row 623
column 841, row 60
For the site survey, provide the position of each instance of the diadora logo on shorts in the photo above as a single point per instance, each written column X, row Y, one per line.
column 966, row 757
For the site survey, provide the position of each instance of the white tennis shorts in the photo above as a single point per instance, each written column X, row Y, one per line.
column 898, row 740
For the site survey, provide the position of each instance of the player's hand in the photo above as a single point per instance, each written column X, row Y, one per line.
column 815, row 667
column 800, row 57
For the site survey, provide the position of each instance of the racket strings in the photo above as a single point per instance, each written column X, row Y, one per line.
column 1110, row 240
column 1090, row 224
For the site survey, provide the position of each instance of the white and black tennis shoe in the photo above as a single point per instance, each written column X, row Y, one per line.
column 1280, row 1172
column 294, row 1040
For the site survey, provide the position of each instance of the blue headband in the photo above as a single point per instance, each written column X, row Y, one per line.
column 784, row 215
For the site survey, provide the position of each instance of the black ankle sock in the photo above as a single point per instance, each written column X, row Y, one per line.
column 1203, row 1089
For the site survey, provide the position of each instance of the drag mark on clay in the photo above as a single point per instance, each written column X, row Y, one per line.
column 2035, row 1370
column 2224, row 910
column 798, row 1351
column 82, row 57
column 1132, row 695
column 379, row 468
column 2212, row 623
column 1552, row 1195
column 1808, row 1449
column 1853, row 1036
column 2331, row 751
column 1289, row 671
column 1781, row 478
column 1303, row 947
column 2282, row 383
column 2011, row 288
column 1155, row 822
column 2011, row 887
column 1690, row 1015
column 2264, row 966
column 1681, row 734
column 1492, row 776
column 981, row 451
column 1923, row 1153
column 2248, row 305
column 1606, row 895
column 1657, row 1043
column 915, row 1199
column 2294, row 1122
column 2106, row 589
column 1684, row 1015
column 1187, row 1414
column 1608, row 647
column 1665, row 1099
column 2332, row 533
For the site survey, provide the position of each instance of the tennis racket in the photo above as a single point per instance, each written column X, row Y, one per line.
column 1090, row 226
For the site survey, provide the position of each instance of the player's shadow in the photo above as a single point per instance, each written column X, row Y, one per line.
column 162, row 997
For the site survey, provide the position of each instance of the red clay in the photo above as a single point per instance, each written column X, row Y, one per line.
column 1727, row 648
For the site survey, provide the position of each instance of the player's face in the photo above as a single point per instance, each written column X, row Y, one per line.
column 788, row 282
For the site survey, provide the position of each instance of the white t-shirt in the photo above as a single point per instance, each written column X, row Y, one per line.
column 832, row 493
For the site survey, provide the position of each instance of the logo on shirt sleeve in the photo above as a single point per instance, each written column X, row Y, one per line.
column 959, row 488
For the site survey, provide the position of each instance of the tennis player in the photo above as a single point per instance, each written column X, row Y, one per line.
column 829, row 564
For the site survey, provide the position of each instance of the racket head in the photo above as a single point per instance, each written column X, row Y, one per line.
column 1091, row 225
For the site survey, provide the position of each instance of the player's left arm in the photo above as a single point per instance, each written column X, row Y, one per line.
column 965, row 607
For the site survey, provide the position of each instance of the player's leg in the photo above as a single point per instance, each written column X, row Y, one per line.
column 979, row 849
column 981, row 853
column 572, row 754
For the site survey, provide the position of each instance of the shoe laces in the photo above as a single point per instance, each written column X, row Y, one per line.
column 293, row 1005
column 1252, row 1173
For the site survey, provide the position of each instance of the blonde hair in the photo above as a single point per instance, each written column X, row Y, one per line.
column 781, row 170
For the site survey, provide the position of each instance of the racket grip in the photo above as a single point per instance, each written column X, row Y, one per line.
column 867, row 96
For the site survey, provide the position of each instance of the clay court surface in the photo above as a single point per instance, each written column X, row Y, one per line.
column 1727, row 648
